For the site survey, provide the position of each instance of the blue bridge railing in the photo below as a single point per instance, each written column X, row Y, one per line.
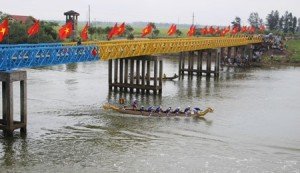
column 10, row 46
column 39, row 55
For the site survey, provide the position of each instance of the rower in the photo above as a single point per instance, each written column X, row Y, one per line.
column 196, row 109
column 158, row 109
column 150, row 110
column 187, row 110
column 168, row 111
column 134, row 104
column 176, row 111
column 142, row 109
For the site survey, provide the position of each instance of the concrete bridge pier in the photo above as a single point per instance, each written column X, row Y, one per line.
column 222, row 57
column 250, row 49
column 198, row 58
column 139, row 75
column 7, row 122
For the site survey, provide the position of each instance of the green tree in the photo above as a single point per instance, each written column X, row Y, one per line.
column 129, row 32
column 107, row 29
column 236, row 23
column 155, row 33
column 280, row 24
column 99, row 30
column 92, row 31
column 298, row 25
column 18, row 33
column 285, row 28
column 273, row 20
column 290, row 23
column 2, row 15
column 153, row 25
column 178, row 33
column 294, row 24
column 255, row 20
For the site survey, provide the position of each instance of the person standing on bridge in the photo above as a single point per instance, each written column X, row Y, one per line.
column 79, row 42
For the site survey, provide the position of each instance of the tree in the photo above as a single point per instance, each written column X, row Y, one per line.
column 129, row 29
column 255, row 20
column 2, row 15
column 155, row 33
column 99, row 30
column 298, row 25
column 294, row 24
column 276, row 19
column 280, row 23
column 107, row 29
column 273, row 20
column 129, row 32
column 178, row 33
column 290, row 23
column 18, row 33
column 286, row 22
column 153, row 25
column 237, row 23
column 92, row 30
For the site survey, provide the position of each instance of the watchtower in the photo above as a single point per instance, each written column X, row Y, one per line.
column 72, row 16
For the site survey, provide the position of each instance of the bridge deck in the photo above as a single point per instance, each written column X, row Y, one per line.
column 37, row 55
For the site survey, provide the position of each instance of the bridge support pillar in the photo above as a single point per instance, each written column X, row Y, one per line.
column 211, row 56
column 217, row 62
column 142, row 78
column 235, row 52
column 199, row 62
column 250, row 48
column 7, row 123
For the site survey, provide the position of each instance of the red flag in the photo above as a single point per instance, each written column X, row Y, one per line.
column 34, row 29
column 4, row 30
column 94, row 52
column 113, row 31
column 211, row 30
column 147, row 30
column 235, row 30
column 66, row 30
column 172, row 30
column 192, row 31
column 251, row 29
column 244, row 29
column 223, row 32
column 262, row 28
column 204, row 31
column 227, row 29
column 84, row 33
column 121, row 29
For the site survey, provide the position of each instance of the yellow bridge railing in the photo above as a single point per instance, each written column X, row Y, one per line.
column 133, row 48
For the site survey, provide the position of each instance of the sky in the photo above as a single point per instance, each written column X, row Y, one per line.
column 208, row 12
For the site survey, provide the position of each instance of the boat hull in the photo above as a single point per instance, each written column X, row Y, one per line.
column 155, row 114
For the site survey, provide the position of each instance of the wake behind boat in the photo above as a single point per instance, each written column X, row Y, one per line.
column 143, row 112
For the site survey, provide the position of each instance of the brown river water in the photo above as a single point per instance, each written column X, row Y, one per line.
column 255, row 126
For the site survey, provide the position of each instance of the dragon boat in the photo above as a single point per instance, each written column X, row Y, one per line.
column 127, row 110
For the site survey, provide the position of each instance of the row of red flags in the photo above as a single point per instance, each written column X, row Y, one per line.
column 67, row 30
column 64, row 32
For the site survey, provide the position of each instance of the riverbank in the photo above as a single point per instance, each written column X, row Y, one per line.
column 289, row 56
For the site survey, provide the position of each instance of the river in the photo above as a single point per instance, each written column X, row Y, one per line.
column 255, row 126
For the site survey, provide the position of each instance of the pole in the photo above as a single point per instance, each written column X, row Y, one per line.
column 89, row 15
column 193, row 18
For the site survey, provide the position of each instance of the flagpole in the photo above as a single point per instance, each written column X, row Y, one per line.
column 89, row 15
column 193, row 18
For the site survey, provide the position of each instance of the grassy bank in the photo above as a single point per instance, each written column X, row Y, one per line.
column 290, row 56
column 293, row 46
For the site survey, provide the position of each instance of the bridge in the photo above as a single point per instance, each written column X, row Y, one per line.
column 132, row 63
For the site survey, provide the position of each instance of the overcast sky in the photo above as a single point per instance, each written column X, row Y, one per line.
column 207, row 12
